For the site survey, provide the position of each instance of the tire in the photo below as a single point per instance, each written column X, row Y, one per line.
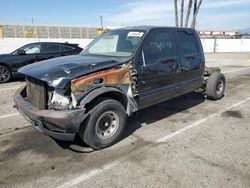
column 5, row 74
column 105, row 124
column 215, row 86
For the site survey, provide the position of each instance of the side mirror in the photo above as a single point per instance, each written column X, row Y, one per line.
column 21, row 52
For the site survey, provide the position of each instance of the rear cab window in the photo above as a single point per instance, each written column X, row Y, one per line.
column 189, row 49
column 188, row 42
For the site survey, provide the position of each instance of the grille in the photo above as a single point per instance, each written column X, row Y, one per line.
column 36, row 93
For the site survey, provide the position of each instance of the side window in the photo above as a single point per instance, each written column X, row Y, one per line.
column 158, row 47
column 188, row 45
column 50, row 48
column 32, row 49
column 66, row 48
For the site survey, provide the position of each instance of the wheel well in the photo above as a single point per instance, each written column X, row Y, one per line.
column 120, row 97
column 4, row 64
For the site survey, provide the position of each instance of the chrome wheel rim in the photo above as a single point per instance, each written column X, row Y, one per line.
column 4, row 74
column 220, row 87
column 107, row 125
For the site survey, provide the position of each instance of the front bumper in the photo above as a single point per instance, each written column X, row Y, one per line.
column 61, row 125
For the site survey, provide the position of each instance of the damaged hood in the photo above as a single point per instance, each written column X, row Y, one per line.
column 58, row 72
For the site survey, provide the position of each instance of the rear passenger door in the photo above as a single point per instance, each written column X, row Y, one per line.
column 49, row 51
column 157, row 68
column 66, row 50
column 189, row 74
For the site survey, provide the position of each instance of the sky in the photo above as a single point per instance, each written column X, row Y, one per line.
column 214, row 14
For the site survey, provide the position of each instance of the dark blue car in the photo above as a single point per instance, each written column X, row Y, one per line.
column 31, row 53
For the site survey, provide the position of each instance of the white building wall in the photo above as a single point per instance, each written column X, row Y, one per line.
column 245, row 45
column 8, row 45
column 226, row 45
column 208, row 45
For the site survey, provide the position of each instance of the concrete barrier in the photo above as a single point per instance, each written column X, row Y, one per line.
column 226, row 45
column 8, row 45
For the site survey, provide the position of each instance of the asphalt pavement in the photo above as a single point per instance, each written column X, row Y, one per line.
column 185, row 142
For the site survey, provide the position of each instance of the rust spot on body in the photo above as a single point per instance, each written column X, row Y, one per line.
column 110, row 76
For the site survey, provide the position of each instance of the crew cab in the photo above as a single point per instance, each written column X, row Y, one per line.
column 117, row 74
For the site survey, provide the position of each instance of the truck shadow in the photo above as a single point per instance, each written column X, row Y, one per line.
column 163, row 110
column 145, row 117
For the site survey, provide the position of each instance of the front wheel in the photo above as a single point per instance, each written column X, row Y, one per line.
column 215, row 86
column 105, row 125
column 5, row 74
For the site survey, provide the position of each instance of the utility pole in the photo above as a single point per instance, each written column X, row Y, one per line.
column 101, row 21
column 32, row 26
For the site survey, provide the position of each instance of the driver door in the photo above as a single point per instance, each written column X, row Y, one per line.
column 28, row 55
column 158, row 68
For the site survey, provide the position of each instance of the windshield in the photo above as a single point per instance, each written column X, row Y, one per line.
column 115, row 43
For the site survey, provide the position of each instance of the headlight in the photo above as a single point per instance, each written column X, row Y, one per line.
column 59, row 100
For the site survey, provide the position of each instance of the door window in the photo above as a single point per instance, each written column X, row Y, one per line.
column 66, row 48
column 32, row 49
column 159, row 46
column 50, row 48
column 188, row 45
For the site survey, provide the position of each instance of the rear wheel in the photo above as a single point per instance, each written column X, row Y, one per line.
column 5, row 74
column 215, row 86
column 105, row 125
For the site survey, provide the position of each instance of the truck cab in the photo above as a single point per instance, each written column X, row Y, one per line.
column 117, row 74
column 170, row 63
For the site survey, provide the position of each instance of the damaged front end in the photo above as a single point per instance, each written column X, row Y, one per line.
column 121, row 79
column 59, row 112
column 79, row 91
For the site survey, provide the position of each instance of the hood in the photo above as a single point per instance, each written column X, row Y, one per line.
column 58, row 72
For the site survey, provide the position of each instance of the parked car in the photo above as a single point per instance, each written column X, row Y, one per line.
column 31, row 53
column 119, row 73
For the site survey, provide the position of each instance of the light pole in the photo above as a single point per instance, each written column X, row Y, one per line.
column 101, row 21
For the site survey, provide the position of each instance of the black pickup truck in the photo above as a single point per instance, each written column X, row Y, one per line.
column 117, row 74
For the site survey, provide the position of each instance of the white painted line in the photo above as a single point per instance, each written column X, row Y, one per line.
column 89, row 174
column 192, row 125
column 100, row 170
column 167, row 137
column 9, row 115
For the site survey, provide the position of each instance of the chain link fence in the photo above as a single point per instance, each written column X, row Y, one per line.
column 28, row 31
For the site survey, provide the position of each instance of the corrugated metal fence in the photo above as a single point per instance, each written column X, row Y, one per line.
column 29, row 31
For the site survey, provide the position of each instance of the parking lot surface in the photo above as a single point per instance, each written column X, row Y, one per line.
column 185, row 142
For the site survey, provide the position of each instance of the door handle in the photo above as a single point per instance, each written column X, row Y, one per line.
column 35, row 58
column 169, row 60
column 190, row 56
